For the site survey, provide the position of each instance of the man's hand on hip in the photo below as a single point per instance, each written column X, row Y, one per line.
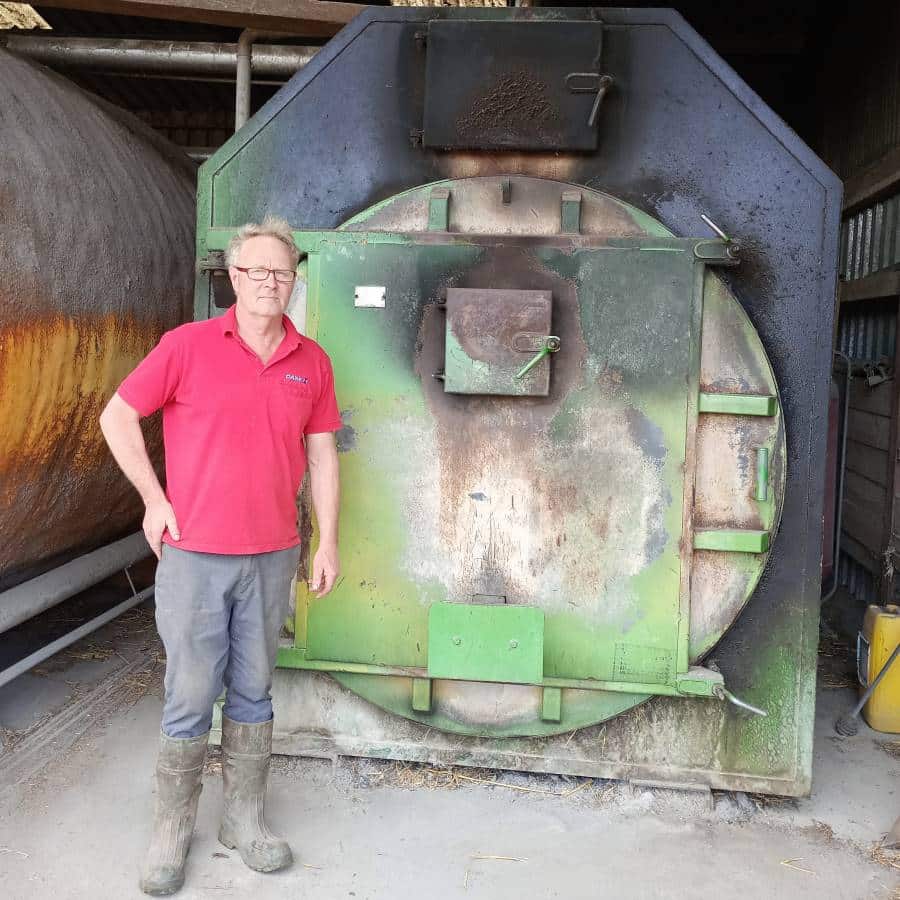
column 325, row 569
column 158, row 517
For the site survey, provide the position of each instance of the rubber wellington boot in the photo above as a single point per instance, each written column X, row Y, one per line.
column 178, row 772
column 246, row 749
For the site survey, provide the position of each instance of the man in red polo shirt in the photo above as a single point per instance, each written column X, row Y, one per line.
column 247, row 402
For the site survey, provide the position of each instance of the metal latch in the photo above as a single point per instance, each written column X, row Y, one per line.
column 723, row 251
column 590, row 83
column 550, row 344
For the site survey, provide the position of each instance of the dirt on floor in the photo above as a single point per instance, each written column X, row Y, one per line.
column 76, row 795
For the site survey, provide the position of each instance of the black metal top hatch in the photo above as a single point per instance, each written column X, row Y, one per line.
column 511, row 90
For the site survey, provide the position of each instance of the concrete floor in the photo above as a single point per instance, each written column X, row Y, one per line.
column 76, row 793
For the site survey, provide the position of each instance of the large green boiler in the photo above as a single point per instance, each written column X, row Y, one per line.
column 577, row 284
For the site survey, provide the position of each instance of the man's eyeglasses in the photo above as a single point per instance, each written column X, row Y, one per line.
column 258, row 273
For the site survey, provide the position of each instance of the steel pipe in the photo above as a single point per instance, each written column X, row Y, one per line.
column 36, row 658
column 247, row 63
column 160, row 58
column 32, row 597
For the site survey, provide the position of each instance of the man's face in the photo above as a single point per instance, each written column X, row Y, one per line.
column 268, row 298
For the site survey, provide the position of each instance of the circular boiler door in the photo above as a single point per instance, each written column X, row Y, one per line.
column 562, row 461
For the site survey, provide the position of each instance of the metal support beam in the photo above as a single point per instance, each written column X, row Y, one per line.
column 308, row 17
column 32, row 597
column 36, row 658
column 197, row 59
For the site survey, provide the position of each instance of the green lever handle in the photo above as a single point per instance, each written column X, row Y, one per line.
column 551, row 345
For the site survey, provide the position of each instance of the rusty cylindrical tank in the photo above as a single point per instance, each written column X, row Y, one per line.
column 96, row 262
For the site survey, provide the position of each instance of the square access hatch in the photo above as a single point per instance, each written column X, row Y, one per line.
column 492, row 335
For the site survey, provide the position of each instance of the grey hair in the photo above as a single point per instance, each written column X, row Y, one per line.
column 271, row 226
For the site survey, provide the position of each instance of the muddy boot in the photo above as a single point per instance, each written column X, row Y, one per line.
column 245, row 766
column 178, row 772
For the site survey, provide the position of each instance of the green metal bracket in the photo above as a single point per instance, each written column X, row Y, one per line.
column 570, row 212
column 421, row 695
column 732, row 540
column 762, row 474
column 439, row 210
column 551, row 704
column 738, row 404
column 486, row 643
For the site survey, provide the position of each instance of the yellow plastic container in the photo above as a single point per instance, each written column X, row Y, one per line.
column 879, row 636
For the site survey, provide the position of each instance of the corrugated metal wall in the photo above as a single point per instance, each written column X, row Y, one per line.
column 857, row 580
column 870, row 239
column 867, row 330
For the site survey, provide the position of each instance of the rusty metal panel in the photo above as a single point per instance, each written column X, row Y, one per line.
column 512, row 89
column 491, row 336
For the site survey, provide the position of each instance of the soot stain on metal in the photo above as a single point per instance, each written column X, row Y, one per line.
column 647, row 435
column 497, row 438
column 346, row 436
column 516, row 101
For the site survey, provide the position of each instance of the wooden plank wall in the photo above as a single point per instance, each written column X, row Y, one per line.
column 867, row 481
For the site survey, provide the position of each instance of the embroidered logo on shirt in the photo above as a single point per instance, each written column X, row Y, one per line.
column 299, row 379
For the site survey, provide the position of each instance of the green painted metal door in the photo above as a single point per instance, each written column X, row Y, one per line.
column 431, row 474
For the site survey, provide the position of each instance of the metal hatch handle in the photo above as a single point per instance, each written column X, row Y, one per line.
column 590, row 83
column 551, row 344
column 723, row 693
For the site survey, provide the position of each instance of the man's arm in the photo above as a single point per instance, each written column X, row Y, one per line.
column 121, row 426
column 324, row 482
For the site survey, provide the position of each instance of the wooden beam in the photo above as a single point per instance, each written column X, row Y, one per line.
column 872, row 287
column 311, row 18
column 875, row 181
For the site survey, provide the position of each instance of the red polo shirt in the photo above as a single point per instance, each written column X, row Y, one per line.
column 233, row 431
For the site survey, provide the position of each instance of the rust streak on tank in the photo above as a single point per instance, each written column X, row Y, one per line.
column 60, row 373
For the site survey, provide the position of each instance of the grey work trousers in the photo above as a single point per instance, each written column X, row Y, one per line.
column 219, row 617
